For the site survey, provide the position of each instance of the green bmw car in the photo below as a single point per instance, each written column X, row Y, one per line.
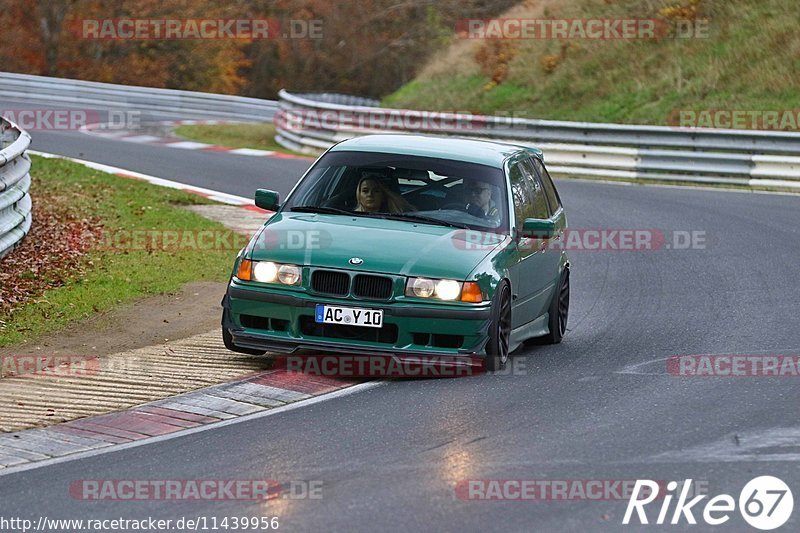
column 401, row 245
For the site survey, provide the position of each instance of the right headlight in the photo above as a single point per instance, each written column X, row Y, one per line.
column 269, row 272
column 289, row 274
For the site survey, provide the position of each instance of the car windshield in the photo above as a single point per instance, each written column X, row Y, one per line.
column 420, row 189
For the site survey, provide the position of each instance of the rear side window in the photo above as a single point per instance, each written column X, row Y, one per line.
column 549, row 187
column 539, row 199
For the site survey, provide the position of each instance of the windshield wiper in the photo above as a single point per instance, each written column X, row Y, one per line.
column 322, row 209
column 421, row 218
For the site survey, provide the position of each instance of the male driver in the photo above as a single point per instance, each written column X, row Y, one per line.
column 479, row 199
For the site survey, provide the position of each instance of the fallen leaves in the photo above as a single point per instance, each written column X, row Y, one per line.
column 55, row 251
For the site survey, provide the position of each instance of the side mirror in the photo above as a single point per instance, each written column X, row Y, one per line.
column 266, row 199
column 538, row 228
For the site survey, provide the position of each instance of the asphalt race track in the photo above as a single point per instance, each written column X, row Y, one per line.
column 600, row 406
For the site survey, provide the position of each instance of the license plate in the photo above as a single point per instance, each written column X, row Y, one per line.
column 330, row 314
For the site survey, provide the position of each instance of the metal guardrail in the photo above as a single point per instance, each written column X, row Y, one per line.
column 308, row 123
column 15, row 182
column 95, row 95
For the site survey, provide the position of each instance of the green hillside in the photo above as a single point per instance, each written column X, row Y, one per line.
column 748, row 59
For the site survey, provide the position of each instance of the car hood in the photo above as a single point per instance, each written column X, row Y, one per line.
column 386, row 246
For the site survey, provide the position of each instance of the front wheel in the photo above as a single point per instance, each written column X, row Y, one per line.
column 559, row 310
column 499, row 330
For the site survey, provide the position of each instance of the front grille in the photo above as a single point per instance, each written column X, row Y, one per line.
column 330, row 282
column 374, row 287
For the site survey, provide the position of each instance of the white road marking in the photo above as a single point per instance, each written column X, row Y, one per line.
column 186, row 145
column 249, row 151
column 142, row 138
column 215, row 195
column 741, row 447
column 635, row 368
column 109, row 134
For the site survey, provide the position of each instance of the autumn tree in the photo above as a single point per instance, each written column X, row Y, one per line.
column 367, row 47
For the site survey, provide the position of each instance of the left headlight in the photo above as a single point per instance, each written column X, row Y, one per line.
column 444, row 289
column 269, row 272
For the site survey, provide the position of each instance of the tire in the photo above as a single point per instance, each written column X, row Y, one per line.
column 499, row 330
column 559, row 311
column 227, row 339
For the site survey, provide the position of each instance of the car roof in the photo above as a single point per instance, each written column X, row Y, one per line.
column 483, row 152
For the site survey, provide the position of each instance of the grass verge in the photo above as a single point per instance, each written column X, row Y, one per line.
column 749, row 59
column 260, row 136
column 129, row 239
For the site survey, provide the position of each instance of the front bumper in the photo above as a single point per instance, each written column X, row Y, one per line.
column 440, row 330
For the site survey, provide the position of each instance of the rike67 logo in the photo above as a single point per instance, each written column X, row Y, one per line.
column 765, row 503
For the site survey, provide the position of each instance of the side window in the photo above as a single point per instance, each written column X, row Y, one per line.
column 549, row 187
column 540, row 208
column 521, row 193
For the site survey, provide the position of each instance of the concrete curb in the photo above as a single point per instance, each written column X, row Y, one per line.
column 245, row 396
